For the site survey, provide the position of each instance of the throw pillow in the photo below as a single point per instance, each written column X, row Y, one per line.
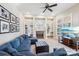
column 15, row 43
column 60, row 52
column 25, row 45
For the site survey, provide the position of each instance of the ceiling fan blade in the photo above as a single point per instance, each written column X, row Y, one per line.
column 47, row 4
column 50, row 9
column 53, row 5
column 44, row 10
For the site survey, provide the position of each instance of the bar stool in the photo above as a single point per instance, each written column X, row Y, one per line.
column 76, row 43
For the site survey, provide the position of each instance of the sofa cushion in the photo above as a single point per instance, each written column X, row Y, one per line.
column 23, row 36
column 2, row 47
column 12, row 51
column 8, row 48
column 15, row 43
column 60, row 52
column 25, row 45
column 21, row 39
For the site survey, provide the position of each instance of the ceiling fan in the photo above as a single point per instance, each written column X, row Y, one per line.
column 48, row 7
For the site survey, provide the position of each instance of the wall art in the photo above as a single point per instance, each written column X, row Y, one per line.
column 13, row 28
column 13, row 18
column 4, row 13
column 4, row 27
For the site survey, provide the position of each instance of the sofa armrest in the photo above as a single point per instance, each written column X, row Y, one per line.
column 3, row 53
column 33, row 40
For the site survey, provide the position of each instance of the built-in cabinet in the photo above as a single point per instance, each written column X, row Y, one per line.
column 49, row 27
column 29, row 26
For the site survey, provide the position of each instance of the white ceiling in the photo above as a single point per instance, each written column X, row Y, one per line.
column 36, row 9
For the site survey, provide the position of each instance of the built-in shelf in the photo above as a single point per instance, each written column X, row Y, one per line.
column 40, row 24
column 64, row 21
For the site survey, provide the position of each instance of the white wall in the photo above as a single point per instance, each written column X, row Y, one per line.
column 9, row 36
column 75, row 14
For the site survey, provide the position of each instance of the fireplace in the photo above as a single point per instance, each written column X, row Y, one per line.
column 40, row 34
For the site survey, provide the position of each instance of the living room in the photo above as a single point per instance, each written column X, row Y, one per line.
column 51, row 29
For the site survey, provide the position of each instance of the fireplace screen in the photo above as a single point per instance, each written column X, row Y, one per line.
column 40, row 34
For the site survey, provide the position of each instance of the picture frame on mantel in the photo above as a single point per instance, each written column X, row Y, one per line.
column 4, row 27
column 4, row 13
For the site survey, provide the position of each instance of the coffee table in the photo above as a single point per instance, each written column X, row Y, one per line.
column 41, row 46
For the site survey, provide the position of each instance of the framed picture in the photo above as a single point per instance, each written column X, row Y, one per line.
column 18, row 28
column 13, row 28
column 13, row 18
column 4, row 13
column 4, row 27
column 17, row 20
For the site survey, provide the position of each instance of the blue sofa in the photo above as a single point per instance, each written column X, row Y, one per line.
column 18, row 47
